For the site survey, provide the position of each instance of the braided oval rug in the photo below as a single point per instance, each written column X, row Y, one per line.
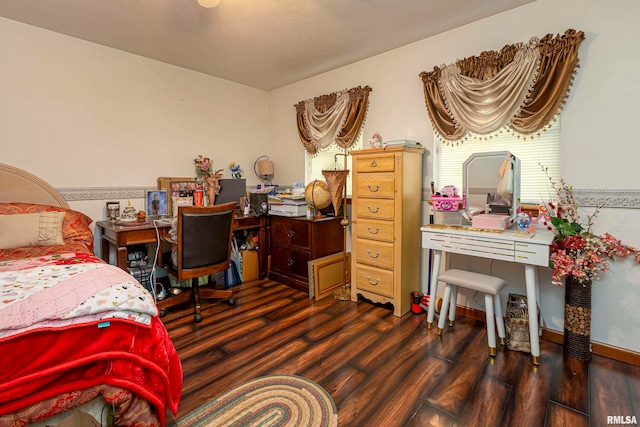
column 272, row 400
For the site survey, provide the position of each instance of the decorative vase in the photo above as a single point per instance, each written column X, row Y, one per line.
column 577, row 319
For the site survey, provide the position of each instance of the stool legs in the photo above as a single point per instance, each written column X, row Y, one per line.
column 445, row 307
column 452, row 305
column 497, row 305
column 491, row 323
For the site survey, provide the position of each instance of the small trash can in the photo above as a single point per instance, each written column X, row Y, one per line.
column 416, row 297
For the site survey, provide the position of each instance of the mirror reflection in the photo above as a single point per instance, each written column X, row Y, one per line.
column 491, row 184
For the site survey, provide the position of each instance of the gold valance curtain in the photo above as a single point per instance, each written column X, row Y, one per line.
column 336, row 117
column 521, row 87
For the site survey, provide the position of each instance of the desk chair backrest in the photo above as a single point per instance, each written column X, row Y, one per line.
column 204, row 239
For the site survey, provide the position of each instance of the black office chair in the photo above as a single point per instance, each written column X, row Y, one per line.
column 204, row 248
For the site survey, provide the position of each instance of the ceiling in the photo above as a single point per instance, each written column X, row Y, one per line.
column 264, row 44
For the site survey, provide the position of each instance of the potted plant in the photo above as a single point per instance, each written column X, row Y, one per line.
column 578, row 256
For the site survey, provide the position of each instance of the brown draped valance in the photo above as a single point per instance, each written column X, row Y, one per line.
column 337, row 117
column 522, row 87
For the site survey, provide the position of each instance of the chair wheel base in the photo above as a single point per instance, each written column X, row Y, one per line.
column 231, row 301
column 535, row 360
column 492, row 351
column 439, row 331
column 429, row 325
column 451, row 322
column 197, row 318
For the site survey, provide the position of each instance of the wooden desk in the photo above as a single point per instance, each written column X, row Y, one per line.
column 505, row 246
column 121, row 236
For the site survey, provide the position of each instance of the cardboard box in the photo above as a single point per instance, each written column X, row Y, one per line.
column 490, row 221
column 250, row 265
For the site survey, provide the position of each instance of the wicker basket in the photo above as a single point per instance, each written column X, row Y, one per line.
column 517, row 323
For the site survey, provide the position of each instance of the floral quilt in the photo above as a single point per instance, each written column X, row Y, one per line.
column 66, row 289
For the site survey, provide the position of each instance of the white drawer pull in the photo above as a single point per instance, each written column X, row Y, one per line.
column 377, row 230
column 372, row 283
column 373, row 256
column 372, row 211
column 372, row 190
column 374, row 164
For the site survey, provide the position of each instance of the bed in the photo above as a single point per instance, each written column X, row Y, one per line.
column 74, row 330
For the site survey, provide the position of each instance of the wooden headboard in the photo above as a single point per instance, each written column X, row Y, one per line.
column 17, row 185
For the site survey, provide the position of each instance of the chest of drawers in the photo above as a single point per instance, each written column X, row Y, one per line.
column 298, row 240
column 386, row 210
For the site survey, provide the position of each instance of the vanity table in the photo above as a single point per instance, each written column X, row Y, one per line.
column 505, row 246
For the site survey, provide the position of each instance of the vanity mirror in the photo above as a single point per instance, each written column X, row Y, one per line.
column 491, row 184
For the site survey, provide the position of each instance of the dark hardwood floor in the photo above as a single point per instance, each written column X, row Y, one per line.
column 387, row 371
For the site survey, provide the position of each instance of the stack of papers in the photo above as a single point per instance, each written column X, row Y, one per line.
column 402, row 143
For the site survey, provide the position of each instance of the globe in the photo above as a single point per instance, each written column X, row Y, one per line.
column 317, row 194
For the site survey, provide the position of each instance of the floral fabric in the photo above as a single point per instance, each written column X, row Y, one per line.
column 75, row 228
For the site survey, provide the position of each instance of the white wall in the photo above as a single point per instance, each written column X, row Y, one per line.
column 81, row 115
column 78, row 114
column 597, row 152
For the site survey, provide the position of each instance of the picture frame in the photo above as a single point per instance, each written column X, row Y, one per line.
column 178, row 191
column 156, row 203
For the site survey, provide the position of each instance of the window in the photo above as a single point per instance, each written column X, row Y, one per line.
column 326, row 160
column 542, row 150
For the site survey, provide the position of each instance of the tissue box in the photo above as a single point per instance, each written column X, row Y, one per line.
column 490, row 221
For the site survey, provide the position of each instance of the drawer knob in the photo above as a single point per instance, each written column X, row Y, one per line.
column 374, row 164
column 376, row 231
column 291, row 262
column 373, row 211
column 291, row 233
column 373, row 256
column 372, row 283
column 373, row 190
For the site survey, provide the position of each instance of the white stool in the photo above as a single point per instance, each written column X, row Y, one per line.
column 490, row 286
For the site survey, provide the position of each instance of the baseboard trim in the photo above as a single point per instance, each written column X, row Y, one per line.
column 600, row 349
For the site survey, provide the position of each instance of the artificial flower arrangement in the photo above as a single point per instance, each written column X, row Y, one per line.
column 576, row 250
column 204, row 167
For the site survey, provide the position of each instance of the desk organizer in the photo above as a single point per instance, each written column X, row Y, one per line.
column 454, row 203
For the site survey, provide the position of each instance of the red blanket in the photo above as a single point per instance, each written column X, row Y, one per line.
column 42, row 363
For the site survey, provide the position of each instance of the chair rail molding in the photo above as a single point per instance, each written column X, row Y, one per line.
column 102, row 193
column 629, row 199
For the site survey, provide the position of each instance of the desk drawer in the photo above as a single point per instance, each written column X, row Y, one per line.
column 531, row 253
column 240, row 223
column 379, row 164
column 375, row 208
column 377, row 254
column 374, row 280
column 377, row 186
column 294, row 233
column 290, row 261
column 470, row 245
column 375, row 230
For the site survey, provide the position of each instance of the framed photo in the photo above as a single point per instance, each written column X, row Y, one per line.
column 156, row 203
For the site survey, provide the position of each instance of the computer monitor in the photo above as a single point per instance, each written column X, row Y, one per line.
column 231, row 190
